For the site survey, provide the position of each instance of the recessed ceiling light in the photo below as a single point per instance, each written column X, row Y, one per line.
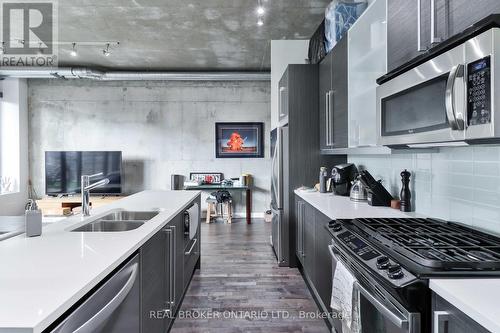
column 260, row 10
column 260, row 22
column 73, row 51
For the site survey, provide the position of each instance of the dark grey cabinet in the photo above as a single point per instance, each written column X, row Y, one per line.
column 299, row 243
column 438, row 21
column 191, row 252
column 177, row 227
column 453, row 16
column 333, row 97
column 325, row 88
column 155, row 290
column 402, row 32
column 166, row 270
column 301, row 158
column 312, row 252
column 449, row 319
column 323, row 275
column 309, row 256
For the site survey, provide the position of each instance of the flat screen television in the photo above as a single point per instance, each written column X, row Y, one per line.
column 63, row 171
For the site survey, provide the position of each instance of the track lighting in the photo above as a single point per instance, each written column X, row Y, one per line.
column 106, row 51
column 73, row 50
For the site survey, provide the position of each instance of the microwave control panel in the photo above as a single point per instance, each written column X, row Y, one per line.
column 479, row 92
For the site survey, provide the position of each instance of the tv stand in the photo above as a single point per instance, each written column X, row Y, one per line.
column 60, row 206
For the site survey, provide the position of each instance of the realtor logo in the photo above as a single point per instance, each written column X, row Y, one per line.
column 29, row 32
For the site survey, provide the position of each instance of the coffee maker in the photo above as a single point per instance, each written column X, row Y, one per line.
column 342, row 177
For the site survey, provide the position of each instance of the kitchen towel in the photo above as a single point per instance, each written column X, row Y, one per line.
column 345, row 300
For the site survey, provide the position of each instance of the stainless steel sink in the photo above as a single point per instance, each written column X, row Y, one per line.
column 125, row 215
column 107, row 226
column 119, row 220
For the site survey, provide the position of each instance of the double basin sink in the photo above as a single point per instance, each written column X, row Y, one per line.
column 119, row 220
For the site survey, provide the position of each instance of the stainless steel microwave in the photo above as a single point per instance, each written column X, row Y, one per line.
column 447, row 100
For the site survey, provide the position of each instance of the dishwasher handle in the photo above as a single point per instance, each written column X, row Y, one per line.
column 102, row 315
column 96, row 320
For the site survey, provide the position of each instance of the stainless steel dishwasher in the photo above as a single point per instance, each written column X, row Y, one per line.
column 112, row 308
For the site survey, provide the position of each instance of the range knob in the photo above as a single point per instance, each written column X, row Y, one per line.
column 382, row 262
column 395, row 271
column 336, row 227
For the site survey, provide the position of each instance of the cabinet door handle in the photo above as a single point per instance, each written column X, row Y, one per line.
column 170, row 231
column 434, row 38
column 173, row 259
column 192, row 247
column 327, row 118
column 440, row 318
column 332, row 120
column 420, row 48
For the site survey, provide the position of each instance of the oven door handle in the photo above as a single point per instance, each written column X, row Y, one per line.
column 395, row 318
column 456, row 123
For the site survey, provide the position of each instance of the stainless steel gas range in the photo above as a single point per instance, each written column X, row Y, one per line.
column 393, row 260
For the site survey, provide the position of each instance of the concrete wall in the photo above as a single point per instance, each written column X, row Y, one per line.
column 456, row 184
column 14, row 144
column 162, row 127
column 283, row 53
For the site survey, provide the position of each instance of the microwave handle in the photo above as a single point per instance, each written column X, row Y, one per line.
column 456, row 123
column 394, row 318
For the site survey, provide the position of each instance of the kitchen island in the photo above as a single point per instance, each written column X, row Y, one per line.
column 42, row 277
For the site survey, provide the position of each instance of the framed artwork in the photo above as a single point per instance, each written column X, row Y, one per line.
column 239, row 140
column 207, row 177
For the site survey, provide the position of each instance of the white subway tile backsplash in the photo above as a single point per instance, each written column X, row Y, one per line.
column 459, row 184
column 487, row 168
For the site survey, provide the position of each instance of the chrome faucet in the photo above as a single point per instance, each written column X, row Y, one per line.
column 86, row 187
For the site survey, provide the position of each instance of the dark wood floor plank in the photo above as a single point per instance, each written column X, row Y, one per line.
column 239, row 275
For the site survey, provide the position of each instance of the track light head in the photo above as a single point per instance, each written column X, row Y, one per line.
column 73, row 50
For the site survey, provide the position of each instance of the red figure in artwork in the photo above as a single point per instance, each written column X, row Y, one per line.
column 235, row 142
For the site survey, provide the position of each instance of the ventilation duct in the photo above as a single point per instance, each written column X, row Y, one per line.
column 102, row 75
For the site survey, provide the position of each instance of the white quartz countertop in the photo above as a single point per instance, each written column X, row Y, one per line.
column 339, row 207
column 42, row 277
column 477, row 298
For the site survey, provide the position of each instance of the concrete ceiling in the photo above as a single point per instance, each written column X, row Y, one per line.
column 182, row 34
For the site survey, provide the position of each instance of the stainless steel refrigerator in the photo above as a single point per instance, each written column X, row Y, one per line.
column 279, row 235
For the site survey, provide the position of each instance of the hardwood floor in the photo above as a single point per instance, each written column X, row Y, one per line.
column 241, row 287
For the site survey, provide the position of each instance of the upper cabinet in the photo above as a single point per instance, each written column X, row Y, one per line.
column 367, row 60
column 414, row 26
column 333, row 98
column 403, row 30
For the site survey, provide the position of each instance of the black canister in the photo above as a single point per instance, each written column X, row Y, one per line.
column 405, row 195
column 176, row 182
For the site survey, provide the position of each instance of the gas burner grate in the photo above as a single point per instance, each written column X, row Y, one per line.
column 435, row 243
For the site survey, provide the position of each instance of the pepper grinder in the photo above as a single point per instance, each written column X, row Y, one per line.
column 405, row 194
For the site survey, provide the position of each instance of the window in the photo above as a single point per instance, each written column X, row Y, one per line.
column 9, row 137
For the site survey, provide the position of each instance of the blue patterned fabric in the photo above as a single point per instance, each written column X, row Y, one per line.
column 339, row 17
